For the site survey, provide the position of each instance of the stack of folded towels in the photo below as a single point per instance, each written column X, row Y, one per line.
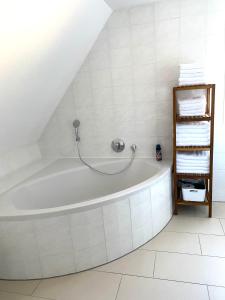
column 191, row 74
column 195, row 106
column 193, row 162
column 193, row 134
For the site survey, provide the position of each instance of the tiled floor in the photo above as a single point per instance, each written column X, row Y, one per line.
column 185, row 261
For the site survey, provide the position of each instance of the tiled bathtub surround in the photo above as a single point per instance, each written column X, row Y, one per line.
column 76, row 241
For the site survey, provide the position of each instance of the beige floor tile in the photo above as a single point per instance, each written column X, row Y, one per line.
column 89, row 285
column 202, row 211
column 216, row 293
column 190, row 268
column 193, row 211
column 140, row 263
column 223, row 223
column 195, row 225
column 212, row 245
column 175, row 242
column 219, row 210
column 137, row 288
column 12, row 296
column 21, row 287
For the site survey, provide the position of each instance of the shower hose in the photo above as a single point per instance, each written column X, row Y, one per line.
column 133, row 149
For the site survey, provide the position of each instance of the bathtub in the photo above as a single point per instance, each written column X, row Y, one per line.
column 67, row 218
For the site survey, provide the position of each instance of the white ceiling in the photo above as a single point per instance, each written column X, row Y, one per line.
column 116, row 4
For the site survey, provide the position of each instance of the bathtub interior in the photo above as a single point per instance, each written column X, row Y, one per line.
column 78, row 185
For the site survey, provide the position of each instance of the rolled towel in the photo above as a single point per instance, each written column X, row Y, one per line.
column 191, row 74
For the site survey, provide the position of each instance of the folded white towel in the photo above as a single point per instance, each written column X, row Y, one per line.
column 192, row 83
column 192, row 113
column 192, row 131
column 192, row 108
column 192, row 74
column 194, row 100
column 193, row 125
column 193, row 139
column 181, row 162
column 191, row 66
column 190, row 78
column 193, row 143
column 192, row 71
column 193, row 155
column 195, row 171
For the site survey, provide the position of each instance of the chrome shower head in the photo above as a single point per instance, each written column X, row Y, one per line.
column 76, row 123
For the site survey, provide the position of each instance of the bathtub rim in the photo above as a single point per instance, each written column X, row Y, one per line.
column 12, row 213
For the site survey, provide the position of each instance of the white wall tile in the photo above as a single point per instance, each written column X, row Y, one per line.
column 122, row 76
column 167, row 9
column 120, row 57
column 142, row 15
column 119, row 19
column 192, row 7
column 118, row 231
column 161, row 200
column 119, row 38
column 141, row 217
column 142, row 35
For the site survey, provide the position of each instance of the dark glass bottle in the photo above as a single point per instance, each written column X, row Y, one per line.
column 158, row 152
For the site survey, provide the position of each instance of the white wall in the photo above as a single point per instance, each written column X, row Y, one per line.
column 124, row 87
column 43, row 44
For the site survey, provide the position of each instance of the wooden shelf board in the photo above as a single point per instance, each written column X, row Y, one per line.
column 192, row 175
column 193, row 87
column 193, row 148
column 192, row 203
column 181, row 119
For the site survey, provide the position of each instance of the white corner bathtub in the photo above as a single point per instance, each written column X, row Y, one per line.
column 67, row 218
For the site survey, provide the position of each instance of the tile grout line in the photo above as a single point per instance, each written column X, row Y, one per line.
column 208, row 291
column 36, row 287
column 19, row 294
column 117, row 293
column 222, row 226
column 184, row 253
column 154, row 264
column 195, row 232
column 162, row 279
column 200, row 244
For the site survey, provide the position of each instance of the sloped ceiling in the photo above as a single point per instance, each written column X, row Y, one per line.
column 43, row 44
column 116, row 4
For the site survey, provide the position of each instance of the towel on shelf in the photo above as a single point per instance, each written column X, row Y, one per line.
column 193, row 155
column 196, row 171
column 192, row 74
column 191, row 66
column 192, row 107
column 193, row 134
column 193, row 126
column 192, row 162
column 193, row 143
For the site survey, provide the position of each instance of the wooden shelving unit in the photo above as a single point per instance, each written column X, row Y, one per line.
column 208, row 178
